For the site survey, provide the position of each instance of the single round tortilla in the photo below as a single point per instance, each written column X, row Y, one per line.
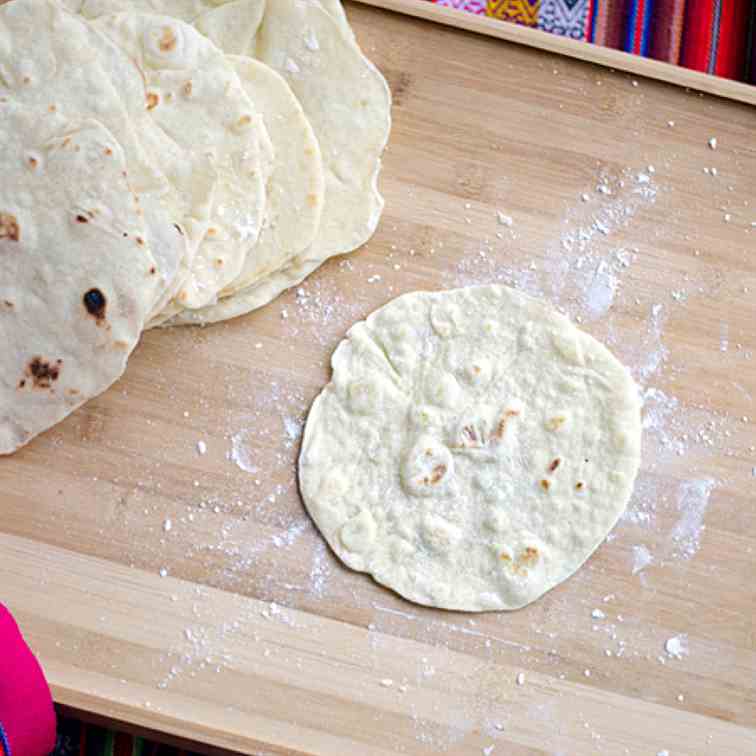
column 472, row 449
column 77, row 278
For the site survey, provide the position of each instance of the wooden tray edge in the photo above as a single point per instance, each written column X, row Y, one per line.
column 603, row 56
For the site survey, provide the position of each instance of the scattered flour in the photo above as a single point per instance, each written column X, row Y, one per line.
column 677, row 646
column 241, row 453
column 692, row 502
column 641, row 558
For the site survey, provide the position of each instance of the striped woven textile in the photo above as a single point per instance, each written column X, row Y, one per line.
column 78, row 739
column 714, row 36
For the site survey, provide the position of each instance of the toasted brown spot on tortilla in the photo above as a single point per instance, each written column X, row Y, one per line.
column 501, row 428
column 140, row 241
column 95, row 304
column 8, row 304
column 529, row 556
column 153, row 270
column 553, row 466
column 545, row 485
column 187, row 89
column 153, row 100
column 438, row 472
column 82, row 219
column 9, row 228
column 168, row 40
column 33, row 162
column 108, row 151
column 72, row 392
column 43, row 372
column 579, row 486
column 212, row 231
column 53, row 108
column 244, row 121
column 122, row 345
column 312, row 200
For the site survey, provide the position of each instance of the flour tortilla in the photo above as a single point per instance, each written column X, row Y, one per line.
column 197, row 101
column 77, row 278
column 230, row 24
column 348, row 103
column 74, row 70
column 335, row 9
column 472, row 449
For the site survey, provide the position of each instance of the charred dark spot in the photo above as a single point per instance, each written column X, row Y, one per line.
column 82, row 219
column 8, row 304
column 43, row 372
column 553, row 466
column 579, row 486
column 178, row 228
column 140, row 241
column 22, row 383
column 9, row 228
column 96, row 304
column 125, row 235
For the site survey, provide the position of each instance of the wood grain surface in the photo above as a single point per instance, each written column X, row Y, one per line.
column 613, row 219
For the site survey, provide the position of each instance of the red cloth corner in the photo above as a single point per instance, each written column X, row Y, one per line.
column 27, row 716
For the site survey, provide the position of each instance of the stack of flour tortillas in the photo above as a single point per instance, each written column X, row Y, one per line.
column 168, row 162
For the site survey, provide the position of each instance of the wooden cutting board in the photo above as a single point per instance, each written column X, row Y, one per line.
column 256, row 639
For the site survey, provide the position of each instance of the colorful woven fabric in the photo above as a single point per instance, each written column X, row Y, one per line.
column 78, row 739
column 567, row 18
column 606, row 22
column 714, row 36
column 471, row 6
column 523, row 12
column 667, row 33
column 638, row 27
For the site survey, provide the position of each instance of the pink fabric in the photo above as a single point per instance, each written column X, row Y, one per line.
column 26, row 709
